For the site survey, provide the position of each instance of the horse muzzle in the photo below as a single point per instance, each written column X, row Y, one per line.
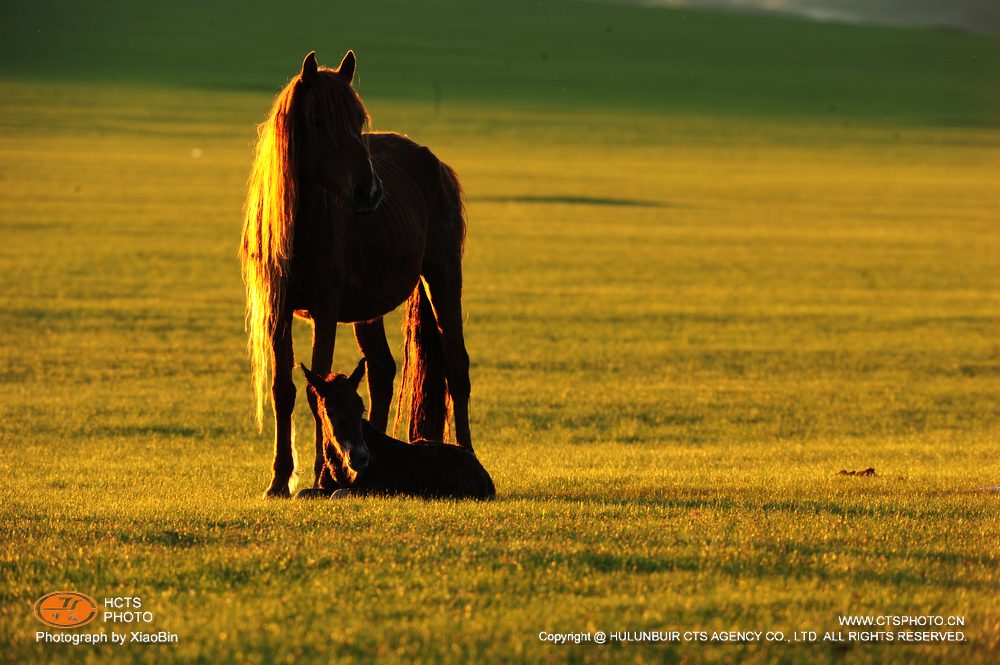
column 358, row 459
column 367, row 197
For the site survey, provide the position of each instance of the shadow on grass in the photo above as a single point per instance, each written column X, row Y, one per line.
column 572, row 200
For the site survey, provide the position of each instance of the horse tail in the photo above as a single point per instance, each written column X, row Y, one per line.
column 266, row 245
column 423, row 396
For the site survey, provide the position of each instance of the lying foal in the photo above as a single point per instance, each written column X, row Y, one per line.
column 366, row 461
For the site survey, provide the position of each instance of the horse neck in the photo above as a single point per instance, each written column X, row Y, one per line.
column 311, row 204
column 317, row 221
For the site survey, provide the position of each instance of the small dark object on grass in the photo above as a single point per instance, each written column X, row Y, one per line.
column 870, row 471
column 361, row 460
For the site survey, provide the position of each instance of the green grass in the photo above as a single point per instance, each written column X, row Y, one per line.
column 683, row 321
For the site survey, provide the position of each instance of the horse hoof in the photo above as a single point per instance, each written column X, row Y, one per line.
column 277, row 493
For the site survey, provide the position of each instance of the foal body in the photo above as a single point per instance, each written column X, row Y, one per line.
column 361, row 459
column 424, row 468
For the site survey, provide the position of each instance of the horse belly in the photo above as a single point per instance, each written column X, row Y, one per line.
column 359, row 303
column 381, row 278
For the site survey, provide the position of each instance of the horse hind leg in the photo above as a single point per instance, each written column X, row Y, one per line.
column 444, row 284
column 370, row 336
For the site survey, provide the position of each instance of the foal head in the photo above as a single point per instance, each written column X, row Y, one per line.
column 330, row 120
column 341, row 411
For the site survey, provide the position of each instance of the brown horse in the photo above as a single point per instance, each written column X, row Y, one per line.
column 361, row 460
column 343, row 225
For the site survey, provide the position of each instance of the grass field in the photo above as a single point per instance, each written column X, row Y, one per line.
column 712, row 261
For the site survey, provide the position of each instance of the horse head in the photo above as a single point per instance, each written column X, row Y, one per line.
column 341, row 411
column 330, row 143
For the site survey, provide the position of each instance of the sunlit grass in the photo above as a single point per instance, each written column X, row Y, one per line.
column 682, row 326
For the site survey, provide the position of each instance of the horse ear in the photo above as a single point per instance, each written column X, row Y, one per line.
column 314, row 379
column 347, row 65
column 309, row 68
column 355, row 378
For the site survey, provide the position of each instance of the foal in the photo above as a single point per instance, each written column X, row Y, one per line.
column 366, row 461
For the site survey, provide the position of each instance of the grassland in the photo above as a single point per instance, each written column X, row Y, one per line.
column 712, row 261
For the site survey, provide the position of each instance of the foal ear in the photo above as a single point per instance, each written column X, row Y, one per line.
column 355, row 378
column 315, row 380
column 309, row 68
column 347, row 65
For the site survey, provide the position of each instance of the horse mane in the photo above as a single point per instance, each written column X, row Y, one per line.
column 266, row 246
column 269, row 211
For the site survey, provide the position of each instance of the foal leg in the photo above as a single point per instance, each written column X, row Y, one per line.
column 444, row 286
column 324, row 338
column 381, row 369
column 283, row 399
column 313, row 493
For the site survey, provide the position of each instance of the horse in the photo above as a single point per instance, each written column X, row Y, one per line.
column 343, row 225
column 362, row 460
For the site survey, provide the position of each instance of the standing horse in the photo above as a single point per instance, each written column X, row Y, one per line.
column 343, row 225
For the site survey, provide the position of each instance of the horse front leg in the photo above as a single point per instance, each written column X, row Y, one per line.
column 324, row 339
column 283, row 400
column 381, row 369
